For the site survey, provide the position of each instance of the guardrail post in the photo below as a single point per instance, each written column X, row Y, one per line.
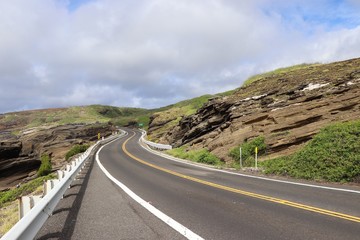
column 49, row 184
column 26, row 203
column 60, row 174
column 47, row 187
column 24, row 206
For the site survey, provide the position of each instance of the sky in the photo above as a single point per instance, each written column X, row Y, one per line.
column 152, row 53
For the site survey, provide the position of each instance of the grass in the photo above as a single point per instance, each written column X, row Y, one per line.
column 24, row 189
column 248, row 152
column 9, row 216
column 72, row 115
column 332, row 155
column 9, row 212
column 45, row 167
column 76, row 150
column 200, row 156
column 275, row 72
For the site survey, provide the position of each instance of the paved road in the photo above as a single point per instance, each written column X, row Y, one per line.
column 214, row 205
column 95, row 208
column 223, row 206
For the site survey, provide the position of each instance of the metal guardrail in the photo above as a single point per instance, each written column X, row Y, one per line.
column 152, row 144
column 31, row 223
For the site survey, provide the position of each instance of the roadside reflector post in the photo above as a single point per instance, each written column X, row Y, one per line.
column 24, row 205
column 240, row 159
column 256, row 153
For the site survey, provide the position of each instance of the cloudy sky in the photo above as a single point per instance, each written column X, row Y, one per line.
column 151, row 53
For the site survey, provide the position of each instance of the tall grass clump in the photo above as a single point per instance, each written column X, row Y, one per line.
column 45, row 167
column 75, row 150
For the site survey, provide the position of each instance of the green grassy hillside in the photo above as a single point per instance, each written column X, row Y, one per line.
column 72, row 115
column 332, row 155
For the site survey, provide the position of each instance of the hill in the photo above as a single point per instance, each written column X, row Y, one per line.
column 26, row 136
column 287, row 107
column 59, row 116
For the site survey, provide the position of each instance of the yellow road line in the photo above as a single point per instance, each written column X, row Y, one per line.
column 242, row 192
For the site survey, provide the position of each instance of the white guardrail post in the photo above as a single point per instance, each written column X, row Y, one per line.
column 152, row 144
column 36, row 210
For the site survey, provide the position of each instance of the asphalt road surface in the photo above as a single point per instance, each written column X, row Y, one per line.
column 212, row 204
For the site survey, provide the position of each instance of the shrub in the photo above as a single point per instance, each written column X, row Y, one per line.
column 204, row 156
column 75, row 150
column 201, row 156
column 278, row 166
column 45, row 167
column 248, row 151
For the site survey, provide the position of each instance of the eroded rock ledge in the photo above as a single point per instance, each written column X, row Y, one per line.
column 20, row 155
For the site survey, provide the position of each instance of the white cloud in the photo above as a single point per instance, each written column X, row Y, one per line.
column 153, row 53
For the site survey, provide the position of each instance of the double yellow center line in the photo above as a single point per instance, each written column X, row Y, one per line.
column 245, row 193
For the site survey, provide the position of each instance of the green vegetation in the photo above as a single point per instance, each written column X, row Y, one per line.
column 24, row 189
column 332, row 155
column 248, row 151
column 45, row 167
column 276, row 72
column 200, row 156
column 75, row 150
column 192, row 105
column 73, row 115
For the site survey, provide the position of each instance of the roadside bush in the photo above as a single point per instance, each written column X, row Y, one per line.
column 75, row 150
column 332, row 155
column 201, row 156
column 178, row 152
column 248, row 151
column 45, row 167
column 277, row 166
column 204, row 156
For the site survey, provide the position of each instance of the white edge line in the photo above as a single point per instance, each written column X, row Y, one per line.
column 162, row 216
column 245, row 175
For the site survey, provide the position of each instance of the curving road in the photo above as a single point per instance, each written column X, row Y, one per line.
column 212, row 204
column 216, row 205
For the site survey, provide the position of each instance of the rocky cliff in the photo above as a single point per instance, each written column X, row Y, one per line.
column 288, row 107
column 20, row 155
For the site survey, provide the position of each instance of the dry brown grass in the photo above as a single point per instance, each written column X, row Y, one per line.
column 9, row 216
column 9, row 213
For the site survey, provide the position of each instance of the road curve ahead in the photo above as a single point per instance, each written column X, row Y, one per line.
column 217, row 205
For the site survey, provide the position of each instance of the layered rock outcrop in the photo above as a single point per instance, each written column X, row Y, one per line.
column 20, row 155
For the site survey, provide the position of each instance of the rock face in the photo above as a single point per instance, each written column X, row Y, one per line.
column 287, row 108
column 20, row 155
